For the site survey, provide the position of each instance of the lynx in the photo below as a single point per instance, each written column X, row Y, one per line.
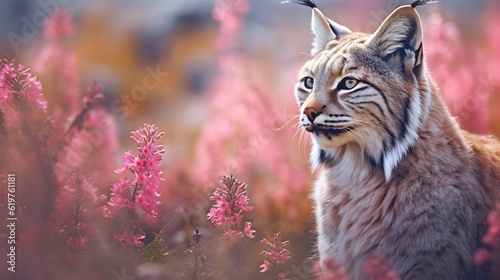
column 397, row 177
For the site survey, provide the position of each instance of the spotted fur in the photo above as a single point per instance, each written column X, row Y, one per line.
column 396, row 175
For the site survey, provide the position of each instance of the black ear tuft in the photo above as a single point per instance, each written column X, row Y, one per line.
column 308, row 3
column 421, row 3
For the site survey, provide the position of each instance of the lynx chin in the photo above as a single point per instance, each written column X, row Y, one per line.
column 397, row 177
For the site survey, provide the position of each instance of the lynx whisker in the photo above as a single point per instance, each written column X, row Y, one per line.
column 287, row 122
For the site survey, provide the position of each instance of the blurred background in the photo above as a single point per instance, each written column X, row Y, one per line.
column 217, row 77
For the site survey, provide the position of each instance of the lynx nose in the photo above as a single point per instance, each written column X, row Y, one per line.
column 311, row 113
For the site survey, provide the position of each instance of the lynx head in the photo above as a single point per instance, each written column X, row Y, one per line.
column 369, row 90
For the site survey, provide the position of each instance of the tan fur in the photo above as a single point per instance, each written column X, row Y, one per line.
column 425, row 211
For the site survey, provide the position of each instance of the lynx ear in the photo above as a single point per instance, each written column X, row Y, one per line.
column 398, row 40
column 324, row 30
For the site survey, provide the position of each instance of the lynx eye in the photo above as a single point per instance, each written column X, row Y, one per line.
column 347, row 83
column 309, row 82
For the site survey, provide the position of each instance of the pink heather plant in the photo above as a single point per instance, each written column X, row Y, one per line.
column 246, row 114
column 332, row 270
column 492, row 27
column 491, row 239
column 377, row 268
column 56, row 205
column 131, row 236
column 91, row 102
column 460, row 72
column 276, row 254
column 140, row 189
column 76, row 199
column 19, row 89
column 231, row 202
column 91, row 136
column 84, row 133
column 25, row 133
column 231, row 15
column 59, row 25
column 58, row 61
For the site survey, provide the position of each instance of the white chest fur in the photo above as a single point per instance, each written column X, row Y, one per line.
column 347, row 207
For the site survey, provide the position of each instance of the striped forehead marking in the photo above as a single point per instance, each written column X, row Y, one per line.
column 334, row 57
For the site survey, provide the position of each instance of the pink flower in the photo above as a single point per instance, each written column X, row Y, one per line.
column 131, row 236
column 58, row 25
column 230, row 14
column 265, row 266
column 377, row 268
column 491, row 239
column 93, row 95
column 73, row 213
column 141, row 189
column 231, row 202
column 248, row 231
column 232, row 234
column 118, row 198
column 57, row 61
column 482, row 256
column 281, row 276
column 492, row 236
column 278, row 251
column 17, row 85
column 79, row 242
column 276, row 254
column 332, row 270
